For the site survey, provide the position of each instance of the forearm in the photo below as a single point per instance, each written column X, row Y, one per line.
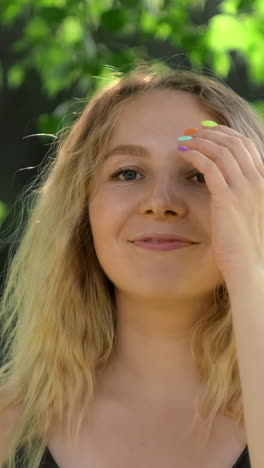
column 247, row 303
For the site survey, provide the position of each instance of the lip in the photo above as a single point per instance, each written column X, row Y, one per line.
column 161, row 237
column 162, row 246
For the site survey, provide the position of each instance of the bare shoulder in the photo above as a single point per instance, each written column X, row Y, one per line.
column 8, row 418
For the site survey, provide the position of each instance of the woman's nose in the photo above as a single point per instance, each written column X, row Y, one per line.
column 164, row 197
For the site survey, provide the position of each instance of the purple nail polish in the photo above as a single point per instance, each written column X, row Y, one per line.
column 183, row 148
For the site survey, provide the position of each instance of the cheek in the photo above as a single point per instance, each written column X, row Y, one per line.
column 107, row 217
column 109, row 224
column 205, row 221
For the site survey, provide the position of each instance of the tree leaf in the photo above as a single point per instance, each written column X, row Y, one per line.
column 52, row 3
column 256, row 64
column 148, row 23
column 229, row 7
column 114, row 19
column 36, row 29
column 226, row 32
column 10, row 13
column 221, row 63
column 53, row 15
column 164, row 30
column 48, row 123
column 70, row 30
column 15, row 76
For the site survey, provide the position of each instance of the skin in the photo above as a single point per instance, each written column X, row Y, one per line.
column 159, row 295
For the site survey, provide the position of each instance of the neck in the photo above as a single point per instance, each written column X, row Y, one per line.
column 152, row 357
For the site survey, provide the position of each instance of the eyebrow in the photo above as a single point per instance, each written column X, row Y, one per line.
column 136, row 150
column 133, row 150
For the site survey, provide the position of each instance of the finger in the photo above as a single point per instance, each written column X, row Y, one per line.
column 237, row 149
column 222, row 157
column 214, row 178
column 254, row 153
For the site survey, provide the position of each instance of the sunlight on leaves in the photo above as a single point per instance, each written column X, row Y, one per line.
column 227, row 32
column 259, row 6
column 96, row 8
column 148, row 23
column 70, row 30
column 52, row 3
column 164, row 30
column 229, row 7
column 72, row 40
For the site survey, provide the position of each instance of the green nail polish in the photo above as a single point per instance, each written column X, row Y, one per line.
column 184, row 138
column 209, row 123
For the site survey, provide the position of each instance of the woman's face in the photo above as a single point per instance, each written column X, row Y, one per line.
column 160, row 193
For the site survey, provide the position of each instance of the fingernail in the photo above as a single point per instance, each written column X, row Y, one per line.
column 189, row 131
column 209, row 123
column 183, row 148
column 184, row 138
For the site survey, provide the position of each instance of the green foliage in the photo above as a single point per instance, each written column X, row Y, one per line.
column 48, row 123
column 114, row 20
column 226, row 32
column 3, row 211
column 80, row 43
column 15, row 76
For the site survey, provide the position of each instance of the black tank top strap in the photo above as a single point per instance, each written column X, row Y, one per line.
column 243, row 460
column 47, row 460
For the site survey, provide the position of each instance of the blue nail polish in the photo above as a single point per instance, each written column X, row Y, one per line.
column 184, row 138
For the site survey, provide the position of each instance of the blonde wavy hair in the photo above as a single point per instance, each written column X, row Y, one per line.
column 57, row 309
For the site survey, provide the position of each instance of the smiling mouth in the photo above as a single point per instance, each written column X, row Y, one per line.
column 162, row 245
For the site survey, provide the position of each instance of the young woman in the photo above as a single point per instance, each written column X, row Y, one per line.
column 118, row 329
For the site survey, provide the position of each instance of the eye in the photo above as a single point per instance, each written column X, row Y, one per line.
column 128, row 172
column 199, row 174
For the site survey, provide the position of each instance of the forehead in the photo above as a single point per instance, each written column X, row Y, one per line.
column 160, row 112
